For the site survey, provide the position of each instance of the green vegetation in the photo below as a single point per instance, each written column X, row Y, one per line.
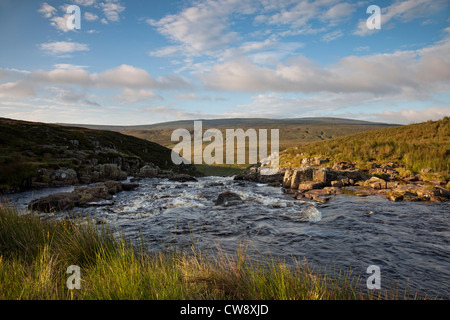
column 35, row 254
column 27, row 146
column 416, row 146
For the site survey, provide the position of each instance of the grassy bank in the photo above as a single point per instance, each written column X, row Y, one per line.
column 416, row 146
column 35, row 254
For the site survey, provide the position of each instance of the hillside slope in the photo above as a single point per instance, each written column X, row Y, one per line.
column 415, row 146
column 292, row 131
column 36, row 151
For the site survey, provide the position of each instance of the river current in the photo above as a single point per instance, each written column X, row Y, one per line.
column 408, row 241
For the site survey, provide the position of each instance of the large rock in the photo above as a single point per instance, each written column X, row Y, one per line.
column 148, row 171
column 130, row 186
column 421, row 192
column 376, row 183
column 110, row 172
column 95, row 193
column 306, row 186
column 227, row 198
column 98, row 194
column 353, row 174
column 287, row 178
column 301, row 175
column 319, row 195
column 320, row 175
column 67, row 176
column 56, row 202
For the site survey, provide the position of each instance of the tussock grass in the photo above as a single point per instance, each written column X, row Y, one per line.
column 35, row 254
column 416, row 146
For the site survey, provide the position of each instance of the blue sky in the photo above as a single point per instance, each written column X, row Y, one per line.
column 142, row 62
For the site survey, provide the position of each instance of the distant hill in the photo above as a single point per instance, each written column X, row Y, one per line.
column 416, row 146
column 28, row 147
column 292, row 131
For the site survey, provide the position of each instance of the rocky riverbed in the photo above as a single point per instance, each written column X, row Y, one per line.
column 407, row 240
column 317, row 182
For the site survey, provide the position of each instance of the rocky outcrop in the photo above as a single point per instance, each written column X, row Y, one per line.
column 97, row 194
column 320, row 177
column 319, row 183
column 254, row 174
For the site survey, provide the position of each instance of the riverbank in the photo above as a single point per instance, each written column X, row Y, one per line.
column 35, row 255
column 318, row 179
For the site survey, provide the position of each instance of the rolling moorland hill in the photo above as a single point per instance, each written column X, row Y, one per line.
column 39, row 151
column 417, row 146
column 293, row 132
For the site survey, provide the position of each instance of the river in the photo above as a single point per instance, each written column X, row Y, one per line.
column 409, row 241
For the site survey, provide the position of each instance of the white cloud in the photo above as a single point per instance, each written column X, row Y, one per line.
column 362, row 48
column 128, row 95
column 171, row 113
column 192, row 96
column 166, row 51
column 70, row 96
column 60, row 23
column 415, row 74
column 63, row 47
column 403, row 11
column 18, row 89
column 171, row 81
column 68, row 66
column 77, row 77
column 124, row 76
column 112, row 9
column 203, row 27
column 339, row 12
column 131, row 80
column 332, row 35
column 47, row 10
column 300, row 13
column 405, row 116
column 15, row 70
column 84, row 2
column 90, row 16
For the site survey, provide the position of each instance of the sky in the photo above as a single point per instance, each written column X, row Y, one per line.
column 142, row 62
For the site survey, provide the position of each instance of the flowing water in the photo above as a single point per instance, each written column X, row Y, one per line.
column 409, row 241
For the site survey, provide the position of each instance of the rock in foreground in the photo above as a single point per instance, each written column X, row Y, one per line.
column 98, row 194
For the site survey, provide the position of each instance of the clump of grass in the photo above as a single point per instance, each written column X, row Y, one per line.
column 35, row 254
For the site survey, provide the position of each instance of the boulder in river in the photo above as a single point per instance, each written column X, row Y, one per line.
column 56, row 202
column 98, row 194
column 227, row 198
